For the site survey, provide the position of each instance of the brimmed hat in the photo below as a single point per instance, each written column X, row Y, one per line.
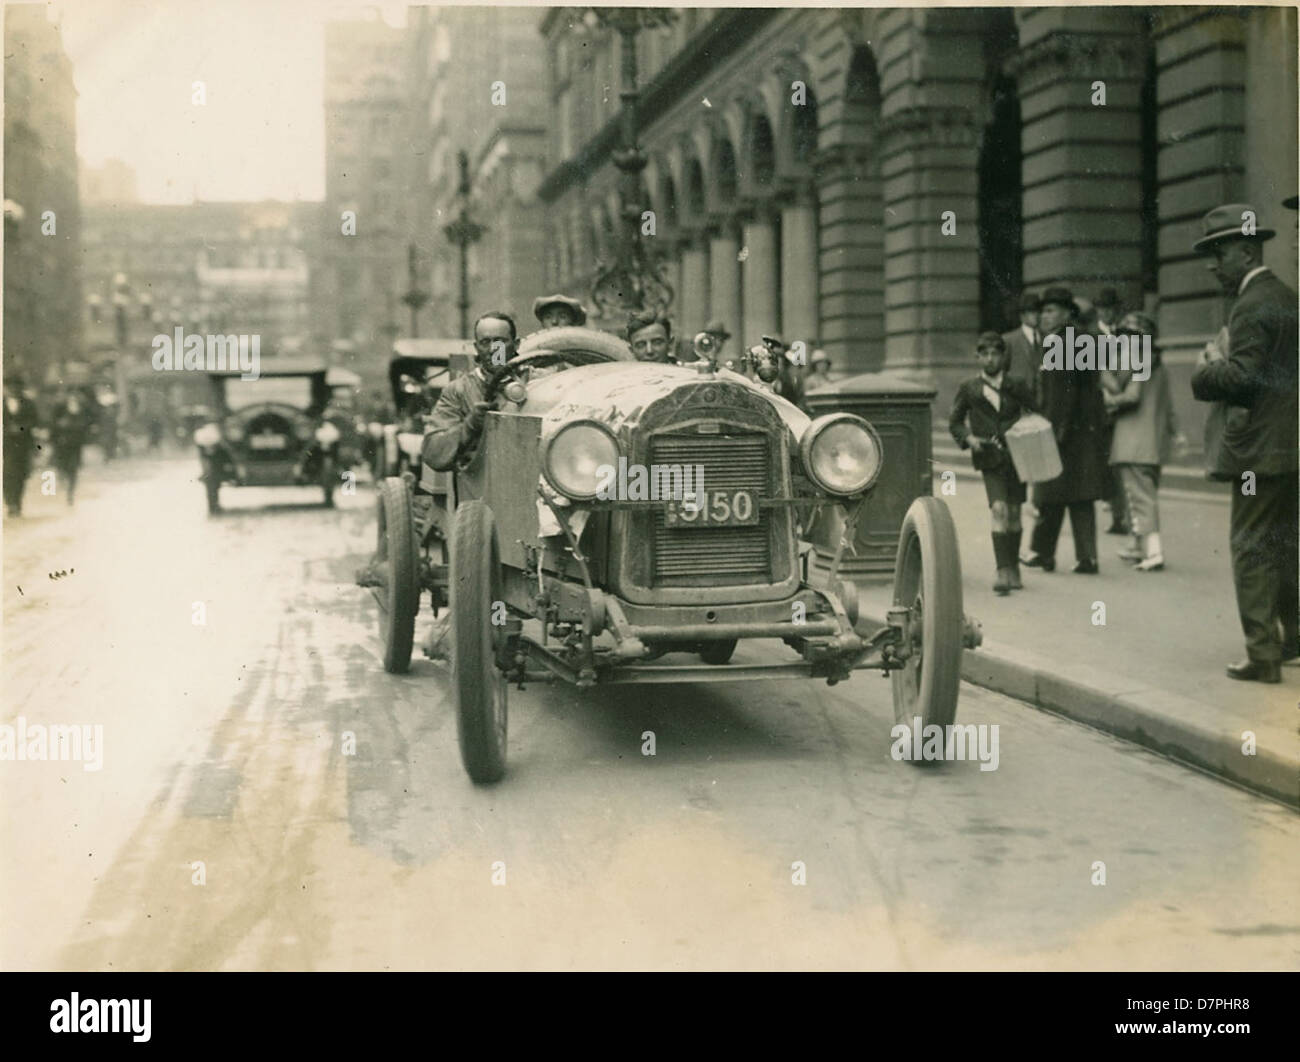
column 1060, row 297
column 1030, row 302
column 1107, row 297
column 1291, row 203
column 542, row 301
column 1225, row 223
column 717, row 328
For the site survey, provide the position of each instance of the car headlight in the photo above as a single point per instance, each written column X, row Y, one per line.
column 327, row 434
column 841, row 453
column 575, row 455
column 208, row 435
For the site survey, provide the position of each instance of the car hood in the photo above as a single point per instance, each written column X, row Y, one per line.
column 617, row 393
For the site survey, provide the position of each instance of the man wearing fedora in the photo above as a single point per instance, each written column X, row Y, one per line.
column 1071, row 399
column 1256, row 376
column 559, row 311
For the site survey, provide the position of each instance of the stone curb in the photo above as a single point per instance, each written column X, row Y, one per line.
column 1155, row 719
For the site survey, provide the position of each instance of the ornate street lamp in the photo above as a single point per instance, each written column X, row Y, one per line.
column 634, row 281
column 463, row 232
column 415, row 297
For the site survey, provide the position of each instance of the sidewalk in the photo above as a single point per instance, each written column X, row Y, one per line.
column 1153, row 673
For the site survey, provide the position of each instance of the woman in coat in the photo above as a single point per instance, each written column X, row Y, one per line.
column 1071, row 400
column 1145, row 432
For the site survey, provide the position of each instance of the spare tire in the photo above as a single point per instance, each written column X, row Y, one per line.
column 573, row 337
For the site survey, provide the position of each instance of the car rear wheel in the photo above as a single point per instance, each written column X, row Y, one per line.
column 479, row 685
column 927, row 580
column 718, row 652
column 396, row 558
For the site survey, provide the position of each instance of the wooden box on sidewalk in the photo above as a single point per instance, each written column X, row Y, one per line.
column 1033, row 449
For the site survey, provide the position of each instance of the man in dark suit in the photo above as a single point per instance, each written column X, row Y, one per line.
column 1258, row 378
column 1025, row 344
column 1071, row 400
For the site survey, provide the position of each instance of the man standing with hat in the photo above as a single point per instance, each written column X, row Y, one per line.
column 1071, row 400
column 559, row 311
column 1257, row 377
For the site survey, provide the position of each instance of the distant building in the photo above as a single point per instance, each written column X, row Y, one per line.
column 42, row 256
column 802, row 162
column 368, row 169
column 113, row 182
column 243, row 268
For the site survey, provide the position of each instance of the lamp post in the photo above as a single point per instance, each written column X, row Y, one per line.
column 463, row 232
column 415, row 298
column 634, row 281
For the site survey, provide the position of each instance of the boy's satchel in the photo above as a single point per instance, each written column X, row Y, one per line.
column 1218, row 463
column 1033, row 449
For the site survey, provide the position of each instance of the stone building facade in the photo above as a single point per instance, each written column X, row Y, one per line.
column 486, row 96
column 42, row 255
column 884, row 182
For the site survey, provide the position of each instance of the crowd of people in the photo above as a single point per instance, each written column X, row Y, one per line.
column 1114, row 428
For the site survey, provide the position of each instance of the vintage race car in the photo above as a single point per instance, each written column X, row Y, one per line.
column 269, row 431
column 617, row 512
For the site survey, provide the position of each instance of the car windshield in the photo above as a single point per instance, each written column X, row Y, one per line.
column 288, row 390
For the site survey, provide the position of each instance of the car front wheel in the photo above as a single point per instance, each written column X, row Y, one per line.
column 927, row 581
column 478, row 684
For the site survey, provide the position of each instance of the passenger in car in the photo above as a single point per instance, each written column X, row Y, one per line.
column 650, row 335
column 559, row 311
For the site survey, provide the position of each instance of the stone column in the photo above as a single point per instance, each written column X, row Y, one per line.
column 852, row 281
column 724, row 281
column 760, row 280
column 1083, row 158
column 799, row 270
column 693, row 296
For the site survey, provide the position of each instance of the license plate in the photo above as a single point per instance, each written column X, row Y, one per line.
column 267, row 442
column 713, row 508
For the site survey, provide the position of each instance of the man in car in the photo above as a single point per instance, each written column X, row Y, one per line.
column 559, row 311
column 650, row 336
column 456, row 423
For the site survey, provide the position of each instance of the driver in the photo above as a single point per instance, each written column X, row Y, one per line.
column 456, row 423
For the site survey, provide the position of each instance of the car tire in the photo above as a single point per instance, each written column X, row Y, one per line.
column 212, row 487
column 718, row 652
column 927, row 579
column 575, row 337
column 328, row 475
column 396, row 558
column 478, row 684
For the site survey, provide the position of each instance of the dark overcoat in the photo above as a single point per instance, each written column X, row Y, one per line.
column 1071, row 399
column 1258, row 379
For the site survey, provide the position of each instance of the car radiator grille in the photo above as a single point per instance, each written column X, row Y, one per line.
column 726, row 554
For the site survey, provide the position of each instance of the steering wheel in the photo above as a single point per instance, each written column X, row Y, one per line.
column 541, row 360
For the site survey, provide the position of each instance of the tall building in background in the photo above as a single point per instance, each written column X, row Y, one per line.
column 42, row 256
column 485, row 93
column 368, row 169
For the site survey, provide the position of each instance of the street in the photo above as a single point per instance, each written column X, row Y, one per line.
column 233, row 826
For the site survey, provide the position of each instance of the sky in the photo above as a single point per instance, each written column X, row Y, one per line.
column 260, row 134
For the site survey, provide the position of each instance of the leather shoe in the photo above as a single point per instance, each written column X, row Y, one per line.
column 1002, row 584
column 1255, row 671
column 1035, row 561
column 1086, row 567
column 1117, row 529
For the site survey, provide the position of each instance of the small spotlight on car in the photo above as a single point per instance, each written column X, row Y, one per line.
column 841, row 453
